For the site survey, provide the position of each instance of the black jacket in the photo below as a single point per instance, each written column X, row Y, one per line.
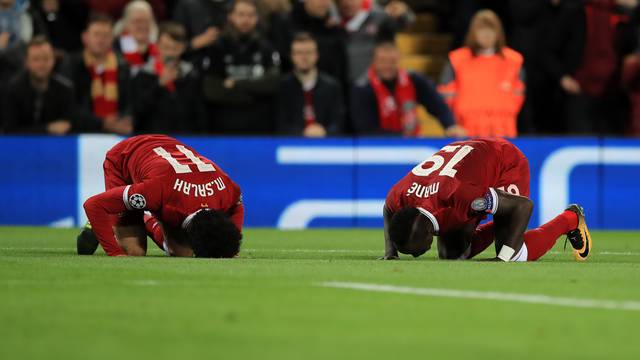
column 327, row 103
column 160, row 111
column 247, row 108
column 27, row 110
column 74, row 68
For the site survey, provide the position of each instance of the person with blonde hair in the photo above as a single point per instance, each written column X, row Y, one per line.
column 483, row 81
column 137, row 32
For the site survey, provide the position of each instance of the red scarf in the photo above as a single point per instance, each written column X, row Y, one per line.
column 104, row 84
column 132, row 53
column 398, row 112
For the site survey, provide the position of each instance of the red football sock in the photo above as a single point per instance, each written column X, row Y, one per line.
column 482, row 238
column 539, row 241
column 154, row 230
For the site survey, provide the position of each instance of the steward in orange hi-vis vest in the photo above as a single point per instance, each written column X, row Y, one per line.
column 485, row 92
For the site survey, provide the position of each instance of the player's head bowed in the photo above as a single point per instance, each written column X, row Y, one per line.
column 213, row 235
column 411, row 232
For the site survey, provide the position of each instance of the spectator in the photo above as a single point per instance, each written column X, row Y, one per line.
column 16, row 25
column 243, row 76
column 137, row 34
column 309, row 102
column 276, row 23
column 314, row 17
column 631, row 83
column 483, row 81
column 586, row 46
column 39, row 101
column 101, row 81
column 114, row 8
column 203, row 20
column 385, row 100
column 168, row 90
column 16, row 28
column 366, row 27
column 531, row 21
column 63, row 22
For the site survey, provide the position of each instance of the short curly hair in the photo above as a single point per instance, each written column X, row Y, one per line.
column 212, row 234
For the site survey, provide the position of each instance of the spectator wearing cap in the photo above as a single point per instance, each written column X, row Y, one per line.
column 167, row 91
column 483, row 81
column 102, row 81
column 39, row 101
column 386, row 99
column 241, row 81
column 309, row 102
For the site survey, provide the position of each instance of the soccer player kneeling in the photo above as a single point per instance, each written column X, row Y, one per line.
column 451, row 192
column 158, row 186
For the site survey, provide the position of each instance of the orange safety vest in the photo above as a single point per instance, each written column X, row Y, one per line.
column 487, row 92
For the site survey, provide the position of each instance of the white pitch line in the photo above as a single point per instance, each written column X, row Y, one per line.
column 490, row 295
column 318, row 251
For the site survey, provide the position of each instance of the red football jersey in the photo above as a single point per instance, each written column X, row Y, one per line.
column 445, row 186
column 164, row 176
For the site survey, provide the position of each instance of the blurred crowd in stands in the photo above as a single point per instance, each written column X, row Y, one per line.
column 318, row 68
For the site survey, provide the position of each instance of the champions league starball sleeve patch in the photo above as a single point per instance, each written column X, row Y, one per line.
column 133, row 201
column 137, row 201
column 487, row 204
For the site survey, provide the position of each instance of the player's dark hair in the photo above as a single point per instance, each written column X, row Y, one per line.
column 401, row 224
column 213, row 235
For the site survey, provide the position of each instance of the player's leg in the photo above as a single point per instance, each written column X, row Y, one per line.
column 540, row 240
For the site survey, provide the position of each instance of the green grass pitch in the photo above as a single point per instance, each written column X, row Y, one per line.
column 270, row 303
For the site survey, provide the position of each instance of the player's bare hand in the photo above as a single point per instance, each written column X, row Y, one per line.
column 455, row 131
column 206, row 38
column 315, row 130
column 59, row 127
column 570, row 85
column 390, row 257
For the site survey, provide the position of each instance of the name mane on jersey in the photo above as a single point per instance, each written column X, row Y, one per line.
column 199, row 190
column 423, row 191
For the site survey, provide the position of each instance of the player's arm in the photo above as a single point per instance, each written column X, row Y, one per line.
column 237, row 214
column 390, row 251
column 511, row 217
column 103, row 209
